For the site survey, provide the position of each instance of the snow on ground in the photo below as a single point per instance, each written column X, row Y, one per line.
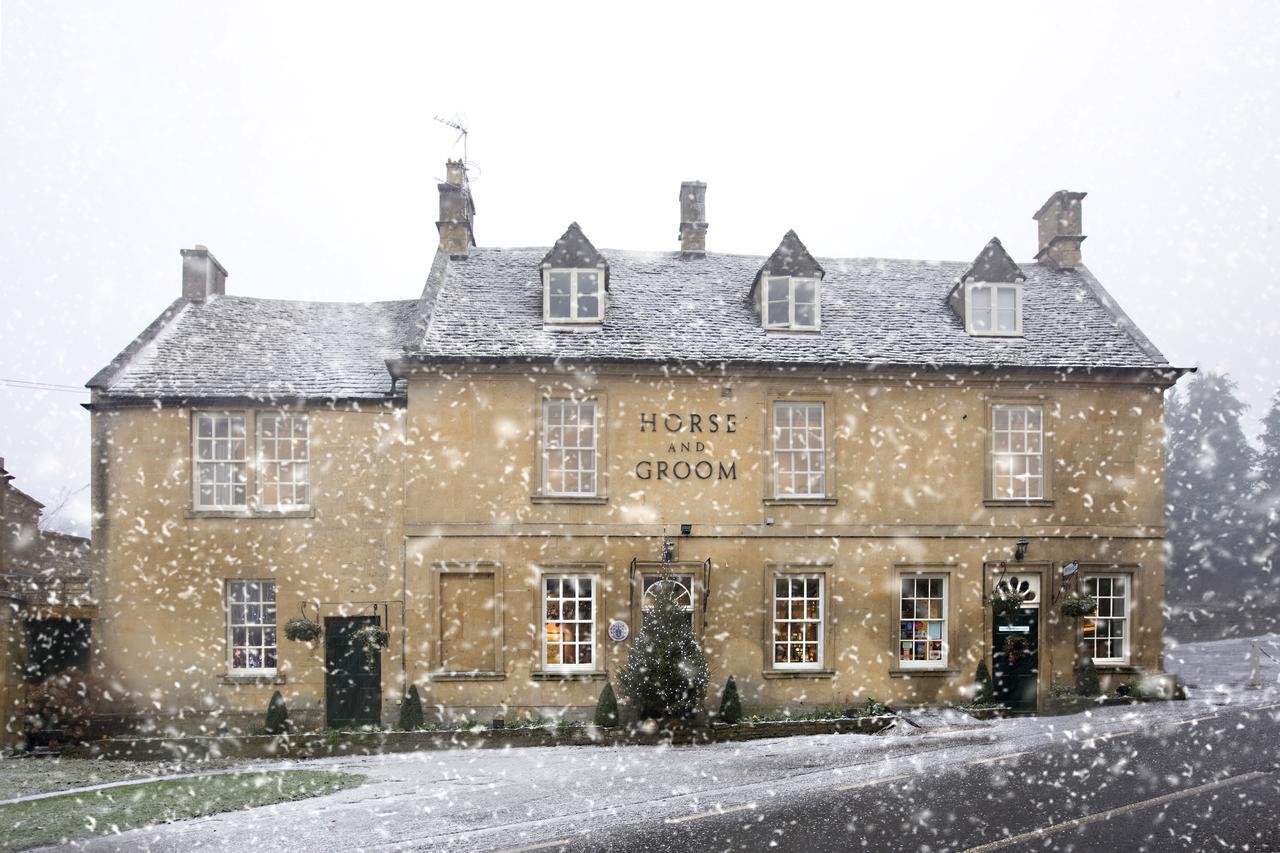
column 513, row 798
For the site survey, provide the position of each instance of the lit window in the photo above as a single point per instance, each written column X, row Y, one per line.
column 799, row 450
column 797, row 621
column 220, row 461
column 569, row 447
column 283, row 467
column 995, row 309
column 1106, row 633
column 922, row 621
column 791, row 303
column 1017, row 452
column 683, row 590
column 251, row 625
column 573, row 296
column 569, row 626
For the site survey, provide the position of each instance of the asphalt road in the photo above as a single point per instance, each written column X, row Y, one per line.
column 1209, row 784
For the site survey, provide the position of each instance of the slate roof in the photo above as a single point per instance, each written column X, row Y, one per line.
column 661, row 308
column 665, row 308
column 236, row 346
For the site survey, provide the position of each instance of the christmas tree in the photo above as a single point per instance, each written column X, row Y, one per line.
column 666, row 673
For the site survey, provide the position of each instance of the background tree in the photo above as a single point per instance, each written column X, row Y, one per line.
column 1209, row 490
column 1268, row 494
column 666, row 672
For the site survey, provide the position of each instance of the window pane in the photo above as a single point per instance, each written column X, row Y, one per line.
column 588, row 284
column 778, row 313
column 559, row 283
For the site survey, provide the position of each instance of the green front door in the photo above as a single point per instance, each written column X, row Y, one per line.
column 1015, row 658
column 352, row 682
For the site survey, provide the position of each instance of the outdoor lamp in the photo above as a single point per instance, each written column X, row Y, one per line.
column 1020, row 550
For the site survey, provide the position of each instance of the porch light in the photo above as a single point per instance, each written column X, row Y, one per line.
column 1020, row 550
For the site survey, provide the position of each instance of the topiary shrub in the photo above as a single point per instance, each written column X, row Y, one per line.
column 1087, row 683
column 606, row 707
column 983, row 690
column 730, row 705
column 277, row 716
column 666, row 673
column 411, row 710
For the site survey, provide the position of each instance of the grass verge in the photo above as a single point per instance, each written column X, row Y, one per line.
column 60, row 820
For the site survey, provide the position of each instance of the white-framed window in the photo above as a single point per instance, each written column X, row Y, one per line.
column 1017, row 452
column 799, row 450
column 569, row 622
column 283, row 469
column 994, row 309
column 683, row 590
column 792, row 303
column 220, row 460
column 573, row 296
column 251, row 626
column 922, row 621
column 1106, row 633
column 570, row 435
column 797, row 621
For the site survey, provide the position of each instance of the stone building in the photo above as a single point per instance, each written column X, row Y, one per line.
column 46, row 602
column 845, row 453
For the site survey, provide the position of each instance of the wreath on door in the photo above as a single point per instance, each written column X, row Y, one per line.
column 1017, row 647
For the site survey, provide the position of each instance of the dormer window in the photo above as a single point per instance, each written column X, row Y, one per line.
column 987, row 297
column 994, row 309
column 792, row 303
column 787, row 291
column 572, row 296
column 575, row 279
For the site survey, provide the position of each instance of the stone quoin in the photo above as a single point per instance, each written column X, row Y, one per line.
column 844, row 454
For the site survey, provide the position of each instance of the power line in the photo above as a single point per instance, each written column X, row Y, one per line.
column 33, row 385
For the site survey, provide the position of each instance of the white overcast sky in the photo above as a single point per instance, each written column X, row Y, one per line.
column 297, row 142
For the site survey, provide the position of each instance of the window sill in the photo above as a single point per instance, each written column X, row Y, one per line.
column 1017, row 502
column 572, row 325
column 260, row 678
column 250, row 513
column 800, row 501
column 584, row 675
column 799, row 673
column 1117, row 668
column 467, row 676
column 934, row 671
column 581, row 500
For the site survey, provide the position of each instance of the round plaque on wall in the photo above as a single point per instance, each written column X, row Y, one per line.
column 619, row 630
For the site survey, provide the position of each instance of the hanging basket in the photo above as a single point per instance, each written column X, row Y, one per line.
column 1078, row 604
column 371, row 639
column 300, row 629
column 1005, row 602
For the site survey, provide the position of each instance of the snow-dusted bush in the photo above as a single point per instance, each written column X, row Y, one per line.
column 411, row 710
column 1077, row 604
column 1087, row 683
column 606, row 707
column 300, row 629
column 730, row 704
column 983, row 690
column 371, row 639
column 277, row 716
column 666, row 673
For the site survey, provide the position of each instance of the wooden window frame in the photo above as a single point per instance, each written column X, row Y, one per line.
column 1047, row 432
column 923, row 573
column 260, row 461
column 772, row 572
column 573, row 318
column 791, row 325
column 541, row 398
column 995, row 288
column 1128, row 575
column 230, row 625
column 829, row 417
column 596, row 572
column 196, row 462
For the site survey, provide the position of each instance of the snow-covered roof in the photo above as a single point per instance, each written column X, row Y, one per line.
column 237, row 347
column 666, row 308
column 662, row 308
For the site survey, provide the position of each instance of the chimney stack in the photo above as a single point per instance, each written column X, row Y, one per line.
column 456, row 211
column 202, row 275
column 1060, row 230
column 693, row 219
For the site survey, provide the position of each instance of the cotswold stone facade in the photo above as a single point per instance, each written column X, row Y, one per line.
column 844, row 454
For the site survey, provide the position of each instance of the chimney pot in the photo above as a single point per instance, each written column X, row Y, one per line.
column 202, row 275
column 457, row 211
column 693, row 219
column 1060, row 230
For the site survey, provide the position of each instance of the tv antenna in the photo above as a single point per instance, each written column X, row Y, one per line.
column 456, row 124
